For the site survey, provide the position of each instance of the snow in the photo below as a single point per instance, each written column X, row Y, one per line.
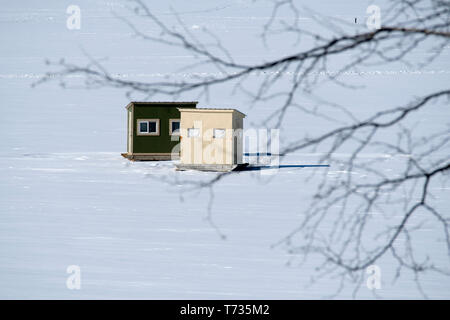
column 67, row 197
column 134, row 238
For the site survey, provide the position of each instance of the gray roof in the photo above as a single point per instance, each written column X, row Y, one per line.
column 218, row 109
column 174, row 103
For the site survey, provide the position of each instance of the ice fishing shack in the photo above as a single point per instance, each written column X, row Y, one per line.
column 211, row 139
column 153, row 130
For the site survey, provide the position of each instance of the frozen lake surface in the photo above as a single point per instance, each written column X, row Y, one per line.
column 67, row 197
column 134, row 237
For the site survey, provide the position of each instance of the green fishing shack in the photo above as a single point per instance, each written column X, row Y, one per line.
column 153, row 130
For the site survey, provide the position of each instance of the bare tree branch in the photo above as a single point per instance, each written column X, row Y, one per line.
column 340, row 224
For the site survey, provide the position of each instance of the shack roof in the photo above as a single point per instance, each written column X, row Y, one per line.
column 158, row 103
column 218, row 110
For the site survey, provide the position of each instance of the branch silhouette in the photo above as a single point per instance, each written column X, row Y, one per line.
column 339, row 225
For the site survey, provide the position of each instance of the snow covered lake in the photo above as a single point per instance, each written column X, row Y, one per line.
column 67, row 197
column 134, row 237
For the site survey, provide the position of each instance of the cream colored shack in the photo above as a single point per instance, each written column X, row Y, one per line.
column 211, row 137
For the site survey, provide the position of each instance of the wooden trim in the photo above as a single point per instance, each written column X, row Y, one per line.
column 132, row 128
column 170, row 127
column 211, row 110
column 151, row 103
column 150, row 154
column 147, row 134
